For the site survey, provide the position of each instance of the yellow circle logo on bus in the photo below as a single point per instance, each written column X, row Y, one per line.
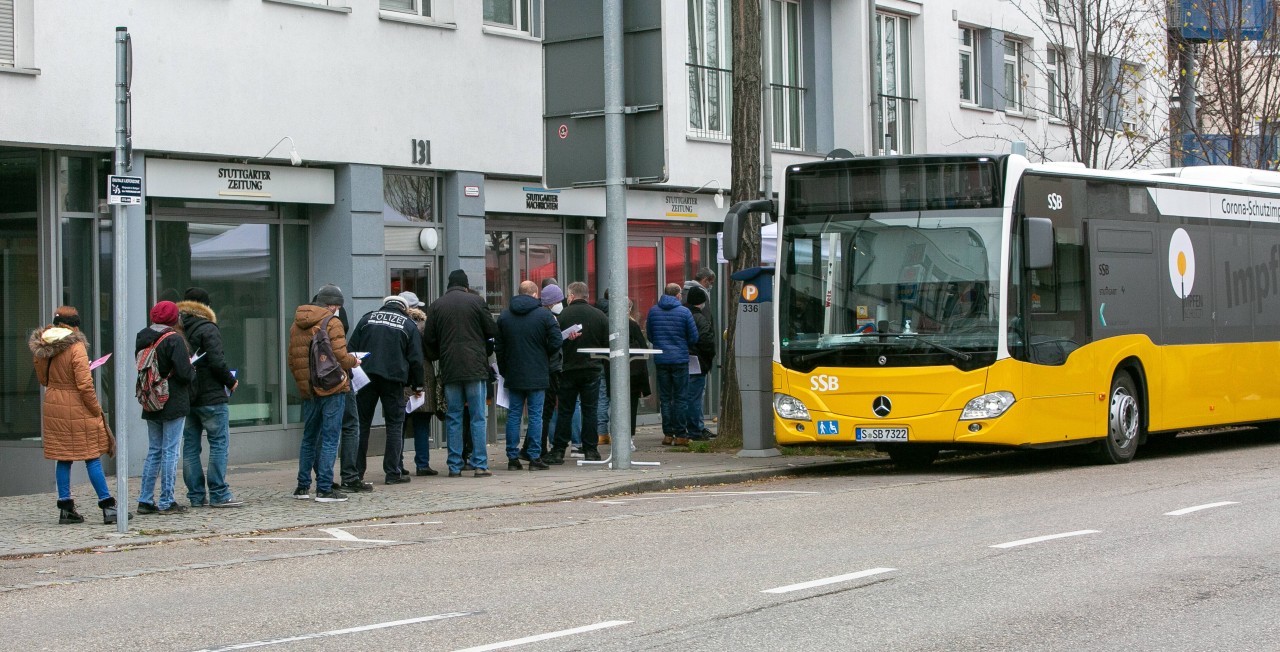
column 1182, row 264
column 750, row 292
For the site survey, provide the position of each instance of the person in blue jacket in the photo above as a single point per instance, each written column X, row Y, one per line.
column 672, row 329
column 527, row 338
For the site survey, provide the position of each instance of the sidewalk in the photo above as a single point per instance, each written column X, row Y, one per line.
column 29, row 524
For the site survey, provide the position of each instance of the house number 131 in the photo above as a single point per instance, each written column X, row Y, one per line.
column 421, row 151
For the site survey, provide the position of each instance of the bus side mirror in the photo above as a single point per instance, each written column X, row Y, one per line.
column 1037, row 242
column 736, row 220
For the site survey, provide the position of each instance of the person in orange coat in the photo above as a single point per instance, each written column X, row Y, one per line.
column 74, row 426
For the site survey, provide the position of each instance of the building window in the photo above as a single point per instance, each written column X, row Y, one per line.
column 968, row 65
column 1013, row 75
column 415, row 7
column 893, row 76
column 6, row 33
column 710, row 68
column 784, row 74
column 1055, row 77
column 512, row 14
column 1051, row 8
column 410, row 197
column 1132, row 104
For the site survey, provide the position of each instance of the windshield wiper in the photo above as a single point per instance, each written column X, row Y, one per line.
column 941, row 347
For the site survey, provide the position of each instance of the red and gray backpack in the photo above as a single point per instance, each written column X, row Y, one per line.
column 152, row 389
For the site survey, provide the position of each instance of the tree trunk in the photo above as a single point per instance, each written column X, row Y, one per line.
column 745, row 175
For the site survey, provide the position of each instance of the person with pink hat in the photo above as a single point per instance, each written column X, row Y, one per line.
column 165, row 342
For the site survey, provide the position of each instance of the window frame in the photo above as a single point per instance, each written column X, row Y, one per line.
column 899, row 27
column 786, row 75
column 969, row 49
column 701, row 68
column 420, row 8
column 521, row 16
column 1014, row 69
column 1055, row 100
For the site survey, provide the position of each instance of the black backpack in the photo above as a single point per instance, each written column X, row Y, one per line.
column 326, row 373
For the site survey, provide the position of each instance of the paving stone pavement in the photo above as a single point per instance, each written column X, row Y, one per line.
column 29, row 523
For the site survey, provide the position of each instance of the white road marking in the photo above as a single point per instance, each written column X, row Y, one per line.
column 1188, row 510
column 335, row 534
column 830, row 580
column 686, row 494
column 547, row 636
column 340, row 632
column 349, row 527
column 1047, row 537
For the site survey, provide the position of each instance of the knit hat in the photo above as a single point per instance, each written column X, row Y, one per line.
column 396, row 299
column 458, row 278
column 697, row 296
column 411, row 299
column 551, row 295
column 199, row 295
column 66, row 316
column 165, row 312
column 329, row 295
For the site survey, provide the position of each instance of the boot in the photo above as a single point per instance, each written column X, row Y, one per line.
column 108, row 506
column 67, row 512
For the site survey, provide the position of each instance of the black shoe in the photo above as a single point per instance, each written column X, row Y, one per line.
column 67, row 514
column 592, row 456
column 108, row 507
column 398, row 479
column 514, row 465
column 455, row 474
column 553, row 458
column 357, row 487
column 426, row 470
column 707, row 434
column 331, row 496
column 148, row 508
column 524, row 455
column 537, row 465
column 172, row 510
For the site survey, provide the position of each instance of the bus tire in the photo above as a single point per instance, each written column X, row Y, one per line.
column 911, row 456
column 1124, row 422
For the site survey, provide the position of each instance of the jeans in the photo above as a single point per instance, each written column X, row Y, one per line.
column 584, row 385
column 693, row 405
column 352, row 468
column 673, row 381
column 165, row 438
column 470, row 393
column 62, row 475
column 202, row 489
column 421, row 439
column 602, row 408
column 321, row 429
column 517, row 399
column 391, row 395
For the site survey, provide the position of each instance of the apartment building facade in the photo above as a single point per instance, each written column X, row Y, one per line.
column 416, row 126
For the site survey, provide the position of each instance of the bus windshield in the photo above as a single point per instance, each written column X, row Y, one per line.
column 884, row 286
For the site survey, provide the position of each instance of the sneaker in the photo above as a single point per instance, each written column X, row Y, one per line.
column 668, row 440
column 466, row 466
column 707, row 434
column 232, row 502
column 172, row 509
column 482, row 473
column 577, row 452
column 553, row 458
column 592, row 456
column 524, row 455
column 514, row 465
column 330, row 496
column 538, row 465
column 426, row 470
column 357, row 487
column 633, row 445
column 455, row 474
column 302, row 493
column 147, row 508
column 397, row 479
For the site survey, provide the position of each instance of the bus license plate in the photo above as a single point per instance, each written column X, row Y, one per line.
column 881, row 434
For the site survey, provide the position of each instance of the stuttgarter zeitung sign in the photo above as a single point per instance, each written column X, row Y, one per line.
column 516, row 197
column 238, row 182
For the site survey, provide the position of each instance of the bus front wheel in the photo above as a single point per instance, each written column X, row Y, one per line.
column 911, row 456
column 1124, row 422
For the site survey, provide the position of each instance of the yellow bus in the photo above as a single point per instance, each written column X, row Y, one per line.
column 949, row 302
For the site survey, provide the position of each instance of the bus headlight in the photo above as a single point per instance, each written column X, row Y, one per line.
column 987, row 406
column 790, row 407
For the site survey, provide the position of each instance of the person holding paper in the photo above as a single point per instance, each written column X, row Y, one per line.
column 527, row 338
column 394, row 362
column 73, row 426
column 672, row 329
column 209, row 397
column 702, row 354
column 421, row 406
column 580, row 374
column 459, row 335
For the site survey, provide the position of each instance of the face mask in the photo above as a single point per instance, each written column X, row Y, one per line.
column 557, row 308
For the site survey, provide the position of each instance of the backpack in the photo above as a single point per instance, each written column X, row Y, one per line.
column 326, row 373
column 152, row 389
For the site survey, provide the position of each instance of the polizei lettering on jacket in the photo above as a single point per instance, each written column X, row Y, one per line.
column 1253, row 283
column 389, row 319
column 244, row 179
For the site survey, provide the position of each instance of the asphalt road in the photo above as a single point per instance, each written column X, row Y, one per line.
column 995, row 552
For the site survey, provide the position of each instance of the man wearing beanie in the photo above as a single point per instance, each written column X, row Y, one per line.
column 164, row 427
column 349, row 460
column 321, row 408
column 704, row 351
column 209, row 395
column 395, row 360
column 553, row 300
column 459, row 334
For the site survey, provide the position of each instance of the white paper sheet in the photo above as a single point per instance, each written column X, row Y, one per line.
column 576, row 328
column 416, row 401
column 500, row 396
column 695, row 367
column 358, row 378
column 197, row 357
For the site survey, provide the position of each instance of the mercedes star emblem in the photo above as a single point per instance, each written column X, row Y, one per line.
column 882, row 406
column 883, row 361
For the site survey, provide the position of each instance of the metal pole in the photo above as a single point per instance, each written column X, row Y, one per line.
column 766, row 82
column 1187, row 99
column 873, row 76
column 121, row 363
column 615, row 217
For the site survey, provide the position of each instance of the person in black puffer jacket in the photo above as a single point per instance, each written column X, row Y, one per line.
column 394, row 346
column 580, row 376
column 209, row 397
column 164, row 426
column 527, row 338
column 705, row 351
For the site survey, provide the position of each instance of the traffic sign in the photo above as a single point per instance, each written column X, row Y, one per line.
column 124, row 190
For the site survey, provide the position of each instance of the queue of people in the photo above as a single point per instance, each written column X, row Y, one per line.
column 434, row 359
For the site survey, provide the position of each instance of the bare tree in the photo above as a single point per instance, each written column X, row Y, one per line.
column 1237, row 77
column 745, row 174
column 1094, row 92
column 410, row 195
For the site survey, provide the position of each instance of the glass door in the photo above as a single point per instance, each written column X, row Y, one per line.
column 411, row 275
column 539, row 258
